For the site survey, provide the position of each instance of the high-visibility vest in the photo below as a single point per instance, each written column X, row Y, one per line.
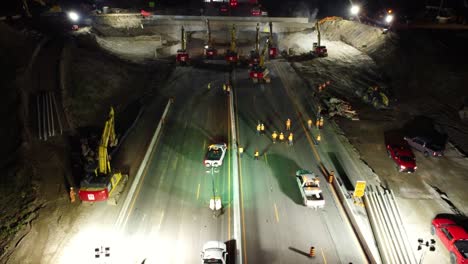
column 256, row 154
column 290, row 138
column 262, row 127
column 274, row 135
column 258, row 127
column 281, row 136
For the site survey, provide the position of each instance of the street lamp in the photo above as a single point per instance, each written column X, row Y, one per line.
column 73, row 16
column 389, row 18
column 355, row 10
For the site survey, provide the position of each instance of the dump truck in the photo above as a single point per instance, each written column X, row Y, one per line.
column 309, row 185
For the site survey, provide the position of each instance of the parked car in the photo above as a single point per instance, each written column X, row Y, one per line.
column 214, row 252
column 403, row 157
column 426, row 146
column 454, row 238
column 215, row 155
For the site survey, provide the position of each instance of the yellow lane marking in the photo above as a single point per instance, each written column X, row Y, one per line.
column 276, row 213
column 160, row 220
column 242, row 213
column 323, row 256
column 198, row 191
column 324, row 171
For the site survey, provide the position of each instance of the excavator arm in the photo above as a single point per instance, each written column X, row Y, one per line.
column 233, row 38
column 183, row 39
column 257, row 39
column 108, row 139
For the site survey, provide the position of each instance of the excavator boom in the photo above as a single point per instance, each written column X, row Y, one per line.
column 108, row 139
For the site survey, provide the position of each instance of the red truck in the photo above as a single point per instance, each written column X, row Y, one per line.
column 454, row 238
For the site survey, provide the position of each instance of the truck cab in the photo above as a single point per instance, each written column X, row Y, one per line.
column 214, row 252
column 309, row 185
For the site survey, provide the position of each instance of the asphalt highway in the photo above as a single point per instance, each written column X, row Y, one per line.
column 277, row 227
column 170, row 208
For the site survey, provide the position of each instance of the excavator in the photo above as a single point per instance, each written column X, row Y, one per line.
column 210, row 51
column 182, row 57
column 231, row 54
column 317, row 49
column 272, row 50
column 100, row 181
column 255, row 54
column 259, row 73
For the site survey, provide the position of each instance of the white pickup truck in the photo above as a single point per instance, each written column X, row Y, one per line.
column 309, row 185
column 215, row 155
column 214, row 252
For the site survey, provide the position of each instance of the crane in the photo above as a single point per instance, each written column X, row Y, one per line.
column 272, row 50
column 317, row 49
column 100, row 180
column 259, row 73
column 231, row 54
column 210, row 51
column 182, row 57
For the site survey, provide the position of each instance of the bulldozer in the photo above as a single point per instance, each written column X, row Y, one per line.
column 272, row 50
column 100, row 181
column 259, row 73
column 231, row 54
column 210, row 51
column 182, row 57
column 374, row 96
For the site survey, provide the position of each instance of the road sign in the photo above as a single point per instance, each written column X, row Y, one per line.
column 359, row 189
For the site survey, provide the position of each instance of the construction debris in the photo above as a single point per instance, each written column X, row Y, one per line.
column 339, row 107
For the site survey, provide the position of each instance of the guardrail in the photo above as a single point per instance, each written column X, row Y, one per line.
column 47, row 116
column 385, row 219
column 211, row 18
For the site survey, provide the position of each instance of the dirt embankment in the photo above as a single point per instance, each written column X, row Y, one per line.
column 425, row 71
column 34, row 205
column 16, row 187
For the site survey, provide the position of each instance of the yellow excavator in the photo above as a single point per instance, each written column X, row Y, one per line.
column 259, row 73
column 100, row 181
column 210, row 51
column 231, row 54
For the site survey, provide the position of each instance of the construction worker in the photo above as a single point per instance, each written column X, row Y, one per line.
column 262, row 128
column 290, row 139
column 256, row 154
column 72, row 194
column 209, row 86
column 321, row 122
column 274, row 136
column 241, row 151
column 309, row 123
column 281, row 137
column 224, row 87
column 288, row 124
column 259, row 128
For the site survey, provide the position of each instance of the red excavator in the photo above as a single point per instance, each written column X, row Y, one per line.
column 255, row 54
column 101, row 182
column 259, row 73
column 272, row 50
column 182, row 57
column 231, row 54
column 210, row 51
column 317, row 49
